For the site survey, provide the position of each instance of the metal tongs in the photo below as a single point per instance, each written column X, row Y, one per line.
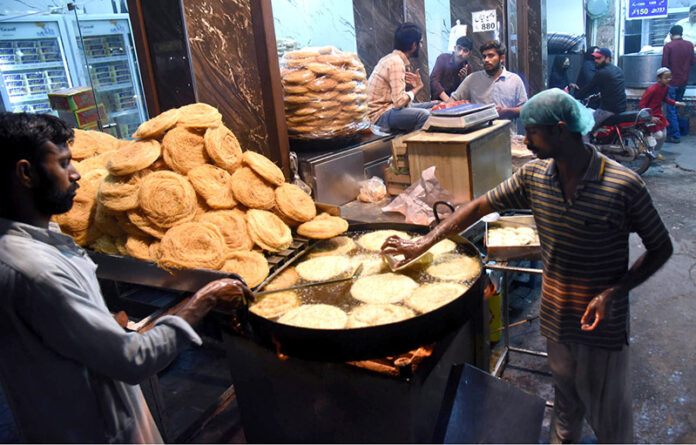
column 355, row 275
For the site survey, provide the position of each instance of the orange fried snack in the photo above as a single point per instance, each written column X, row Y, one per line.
column 139, row 220
column 252, row 190
column 183, row 149
column 251, row 266
column 268, row 231
column 233, row 226
column 192, row 245
column 139, row 247
column 199, row 115
column 214, row 185
column 323, row 226
column 294, row 203
column 264, row 167
column 104, row 142
column 288, row 277
column 106, row 221
column 133, row 157
column 96, row 162
column 120, row 193
column 223, row 148
column 83, row 145
column 167, row 198
column 156, row 126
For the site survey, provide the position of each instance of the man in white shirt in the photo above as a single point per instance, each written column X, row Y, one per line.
column 689, row 27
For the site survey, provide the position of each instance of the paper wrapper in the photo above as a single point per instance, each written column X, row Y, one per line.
column 416, row 202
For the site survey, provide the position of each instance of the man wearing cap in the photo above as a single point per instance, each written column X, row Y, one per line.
column 688, row 26
column 609, row 82
column 678, row 56
column 584, row 205
column 653, row 97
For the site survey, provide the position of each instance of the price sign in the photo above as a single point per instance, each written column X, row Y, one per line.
column 484, row 20
column 646, row 9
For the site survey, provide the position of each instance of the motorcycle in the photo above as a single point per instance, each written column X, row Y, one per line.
column 626, row 138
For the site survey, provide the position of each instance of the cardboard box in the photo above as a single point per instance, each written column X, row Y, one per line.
column 85, row 118
column 396, row 183
column 71, row 99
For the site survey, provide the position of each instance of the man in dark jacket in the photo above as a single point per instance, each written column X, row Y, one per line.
column 609, row 82
column 678, row 56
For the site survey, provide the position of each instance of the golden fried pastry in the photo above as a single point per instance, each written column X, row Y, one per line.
column 443, row 247
column 104, row 142
column 252, row 190
column 264, row 167
column 321, row 84
column 299, row 76
column 106, row 221
column 372, row 264
column 325, row 96
column 323, row 226
column 373, row 241
column 105, row 244
column 342, row 76
column 83, row 145
column 183, row 149
column 139, row 247
column 275, row 305
column 301, row 54
column 383, row 288
column 233, row 227
column 214, row 185
column 334, row 59
column 320, row 68
column 315, row 316
column 251, row 266
column 154, row 250
column 192, row 245
column 297, row 99
column 334, row 246
column 295, row 89
column 324, row 268
column 300, row 119
column 431, row 296
column 96, row 162
column 286, row 278
column 79, row 217
column 305, row 111
column 120, row 243
column 303, row 129
column 268, row 231
column 127, row 225
column 199, row 115
column 294, row 203
column 327, row 114
column 133, row 157
column 120, row 193
column 90, row 181
column 157, row 126
column 85, row 237
column 360, row 88
column 455, row 267
column 299, row 63
column 138, row 219
column 167, row 198
column 376, row 314
column 347, row 86
column 223, row 148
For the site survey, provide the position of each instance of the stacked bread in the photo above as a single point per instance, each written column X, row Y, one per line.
column 185, row 195
column 325, row 93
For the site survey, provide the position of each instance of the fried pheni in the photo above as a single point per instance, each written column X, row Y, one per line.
column 192, row 245
column 455, row 267
column 431, row 296
column 264, row 167
column 275, row 305
column 373, row 241
column 315, row 316
column 199, row 115
column 158, row 125
column 135, row 156
column 105, row 244
column 214, row 185
column 442, row 247
column 233, row 226
column 334, row 246
column 106, row 221
column 104, row 142
column 167, row 198
column 268, row 231
column 83, row 145
column 223, row 148
column 252, row 190
column 127, row 225
column 286, row 278
column 383, row 288
column 139, row 247
column 154, row 249
column 324, row 268
column 79, row 216
column 372, row 264
column 251, row 266
column 376, row 314
column 90, row 181
column 96, row 162
column 294, row 203
column 183, row 149
column 323, row 226
column 120, row 193
column 138, row 219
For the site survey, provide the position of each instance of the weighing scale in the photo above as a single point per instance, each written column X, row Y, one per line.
column 460, row 118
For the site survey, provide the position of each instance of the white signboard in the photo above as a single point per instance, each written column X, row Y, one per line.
column 484, row 20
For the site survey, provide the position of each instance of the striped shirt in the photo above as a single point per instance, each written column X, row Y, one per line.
column 386, row 88
column 584, row 241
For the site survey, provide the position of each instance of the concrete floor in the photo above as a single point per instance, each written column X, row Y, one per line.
column 662, row 337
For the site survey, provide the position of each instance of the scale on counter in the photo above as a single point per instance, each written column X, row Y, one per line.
column 460, row 118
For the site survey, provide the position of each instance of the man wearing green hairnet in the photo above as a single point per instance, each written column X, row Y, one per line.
column 585, row 206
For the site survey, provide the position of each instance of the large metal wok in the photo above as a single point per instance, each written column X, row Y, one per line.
column 368, row 342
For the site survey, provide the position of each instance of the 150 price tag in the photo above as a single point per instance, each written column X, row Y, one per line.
column 484, row 20
column 644, row 9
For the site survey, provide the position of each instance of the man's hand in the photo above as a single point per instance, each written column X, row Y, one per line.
column 597, row 310
column 219, row 292
column 463, row 72
column 655, row 120
column 680, row 104
column 409, row 249
column 414, row 80
column 573, row 86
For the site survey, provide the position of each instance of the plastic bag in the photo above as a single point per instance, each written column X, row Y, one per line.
column 372, row 190
column 324, row 92
column 416, row 202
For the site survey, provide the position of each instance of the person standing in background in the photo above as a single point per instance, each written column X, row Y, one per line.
column 559, row 73
column 653, row 97
column 450, row 69
column 688, row 27
column 678, row 56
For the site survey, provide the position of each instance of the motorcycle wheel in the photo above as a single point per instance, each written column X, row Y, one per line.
column 636, row 141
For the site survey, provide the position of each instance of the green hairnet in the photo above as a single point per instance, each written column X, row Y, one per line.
column 552, row 106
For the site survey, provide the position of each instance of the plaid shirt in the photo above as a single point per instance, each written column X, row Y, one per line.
column 386, row 88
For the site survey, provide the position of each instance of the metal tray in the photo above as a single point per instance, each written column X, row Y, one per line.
column 521, row 252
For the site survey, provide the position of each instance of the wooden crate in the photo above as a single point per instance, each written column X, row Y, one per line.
column 396, row 183
column 466, row 164
column 399, row 153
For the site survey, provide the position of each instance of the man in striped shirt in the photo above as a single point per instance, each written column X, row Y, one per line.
column 585, row 205
column 391, row 87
